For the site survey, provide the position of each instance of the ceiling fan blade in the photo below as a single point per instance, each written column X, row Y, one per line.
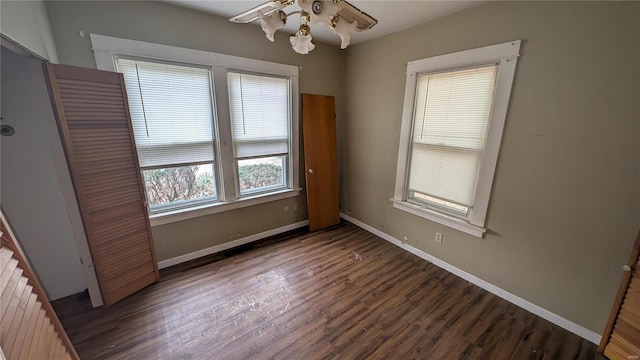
column 351, row 13
column 265, row 9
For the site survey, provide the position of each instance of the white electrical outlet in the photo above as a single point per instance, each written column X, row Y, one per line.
column 438, row 238
column 286, row 209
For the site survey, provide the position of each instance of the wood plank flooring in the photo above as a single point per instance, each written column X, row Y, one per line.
column 341, row 293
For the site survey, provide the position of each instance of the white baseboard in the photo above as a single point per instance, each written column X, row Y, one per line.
column 228, row 245
column 533, row 308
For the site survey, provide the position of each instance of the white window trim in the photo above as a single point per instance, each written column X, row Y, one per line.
column 506, row 56
column 107, row 48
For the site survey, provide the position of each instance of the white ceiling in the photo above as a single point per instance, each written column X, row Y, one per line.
column 392, row 15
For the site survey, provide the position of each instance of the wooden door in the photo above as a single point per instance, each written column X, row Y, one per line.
column 621, row 338
column 92, row 112
column 29, row 328
column 321, row 160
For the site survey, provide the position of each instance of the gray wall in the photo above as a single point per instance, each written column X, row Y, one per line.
column 32, row 191
column 566, row 197
column 27, row 23
column 167, row 24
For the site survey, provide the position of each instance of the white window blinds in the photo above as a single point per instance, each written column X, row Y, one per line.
column 171, row 111
column 259, row 115
column 451, row 116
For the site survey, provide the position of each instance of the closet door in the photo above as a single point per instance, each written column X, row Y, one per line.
column 621, row 338
column 320, row 160
column 94, row 122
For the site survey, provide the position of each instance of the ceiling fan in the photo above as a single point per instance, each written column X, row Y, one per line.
column 339, row 15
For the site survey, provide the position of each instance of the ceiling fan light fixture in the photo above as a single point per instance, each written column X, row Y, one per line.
column 339, row 15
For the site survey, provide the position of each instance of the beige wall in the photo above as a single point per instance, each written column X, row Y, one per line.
column 565, row 202
column 26, row 22
column 167, row 24
column 566, row 197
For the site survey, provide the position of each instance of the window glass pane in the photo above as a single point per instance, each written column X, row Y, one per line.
column 259, row 114
column 171, row 112
column 444, row 172
column 453, row 108
column 261, row 174
column 451, row 118
column 178, row 185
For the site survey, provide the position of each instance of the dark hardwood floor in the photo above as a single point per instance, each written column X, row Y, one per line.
column 341, row 293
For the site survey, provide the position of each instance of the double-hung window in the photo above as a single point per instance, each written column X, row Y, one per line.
column 454, row 113
column 213, row 132
column 172, row 116
column 260, row 113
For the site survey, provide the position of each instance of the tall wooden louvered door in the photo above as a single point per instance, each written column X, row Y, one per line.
column 621, row 338
column 93, row 118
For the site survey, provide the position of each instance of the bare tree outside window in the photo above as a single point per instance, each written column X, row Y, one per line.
column 258, row 176
column 169, row 185
column 179, row 183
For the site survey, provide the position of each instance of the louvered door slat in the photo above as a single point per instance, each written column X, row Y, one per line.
column 621, row 338
column 89, row 86
column 12, row 324
column 96, row 102
column 7, row 270
column 70, row 92
column 16, row 281
column 105, row 203
column 79, row 107
column 103, row 147
column 27, row 319
column 84, row 83
column 632, row 317
column 30, row 331
column 107, row 178
column 38, row 336
column 93, row 117
column 25, row 308
column 112, row 186
column 127, row 211
column 98, row 171
column 99, row 134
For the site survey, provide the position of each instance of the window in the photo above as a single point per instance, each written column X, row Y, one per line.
column 213, row 132
column 454, row 113
column 172, row 117
column 260, row 125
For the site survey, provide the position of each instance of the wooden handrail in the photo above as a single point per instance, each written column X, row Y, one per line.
column 8, row 239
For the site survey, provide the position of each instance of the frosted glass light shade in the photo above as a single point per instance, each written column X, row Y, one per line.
column 344, row 29
column 301, row 43
column 272, row 23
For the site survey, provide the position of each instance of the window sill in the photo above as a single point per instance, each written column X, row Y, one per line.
column 443, row 219
column 208, row 209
